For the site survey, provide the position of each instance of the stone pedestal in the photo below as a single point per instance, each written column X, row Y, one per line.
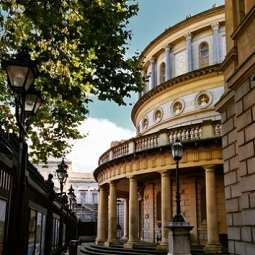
column 179, row 238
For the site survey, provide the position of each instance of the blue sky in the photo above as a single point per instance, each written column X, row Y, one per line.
column 153, row 18
column 109, row 122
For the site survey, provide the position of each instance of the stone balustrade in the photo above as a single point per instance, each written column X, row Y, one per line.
column 163, row 137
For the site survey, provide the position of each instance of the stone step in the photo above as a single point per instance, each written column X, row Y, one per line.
column 141, row 249
column 94, row 249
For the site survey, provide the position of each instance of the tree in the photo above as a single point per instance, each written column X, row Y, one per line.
column 80, row 48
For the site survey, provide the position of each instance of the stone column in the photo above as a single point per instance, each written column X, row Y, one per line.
column 126, row 219
column 188, row 37
column 167, row 56
column 153, row 73
column 133, row 213
column 213, row 245
column 112, row 227
column 165, row 209
column 216, row 50
column 102, row 215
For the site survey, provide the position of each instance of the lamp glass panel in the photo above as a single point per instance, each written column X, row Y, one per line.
column 177, row 150
column 70, row 196
column 17, row 75
column 30, row 79
column 61, row 174
column 38, row 104
column 20, row 77
column 32, row 104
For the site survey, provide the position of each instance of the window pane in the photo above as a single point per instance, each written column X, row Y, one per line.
column 31, row 234
column 204, row 55
column 43, row 234
column 38, row 233
column 2, row 222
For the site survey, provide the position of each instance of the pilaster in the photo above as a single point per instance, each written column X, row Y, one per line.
column 216, row 51
column 188, row 37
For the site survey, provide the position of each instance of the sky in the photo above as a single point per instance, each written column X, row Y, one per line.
column 109, row 122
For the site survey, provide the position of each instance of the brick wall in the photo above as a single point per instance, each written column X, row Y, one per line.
column 238, row 126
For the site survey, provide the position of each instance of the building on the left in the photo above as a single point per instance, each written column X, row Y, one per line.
column 44, row 223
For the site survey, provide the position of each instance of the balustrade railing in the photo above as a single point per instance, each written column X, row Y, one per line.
column 146, row 142
column 161, row 138
column 120, row 150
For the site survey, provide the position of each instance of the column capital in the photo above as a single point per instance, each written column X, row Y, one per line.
column 168, row 47
column 103, row 187
column 133, row 178
column 153, row 60
column 215, row 25
column 188, row 36
column 209, row 167
column 164, row 173
column 113, row 182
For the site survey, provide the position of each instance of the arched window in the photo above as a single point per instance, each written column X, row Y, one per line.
column 204, row 55
column 162, row 72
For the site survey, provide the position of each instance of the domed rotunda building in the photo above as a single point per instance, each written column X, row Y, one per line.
column 182, row 86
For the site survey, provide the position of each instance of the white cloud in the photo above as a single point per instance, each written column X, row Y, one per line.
column 101, row 132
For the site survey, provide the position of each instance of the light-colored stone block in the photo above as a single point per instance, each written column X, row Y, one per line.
column 179, row 238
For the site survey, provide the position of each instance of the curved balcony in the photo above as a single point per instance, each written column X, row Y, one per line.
column 196, row 132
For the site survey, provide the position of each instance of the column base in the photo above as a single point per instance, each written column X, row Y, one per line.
column 130, row 245
column 163, row 246
column 110, row 243
column 179, row 238
column 213, row 248
column 100, row 242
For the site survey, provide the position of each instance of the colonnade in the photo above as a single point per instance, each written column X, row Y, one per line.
column 189, row 57
column 107, row 216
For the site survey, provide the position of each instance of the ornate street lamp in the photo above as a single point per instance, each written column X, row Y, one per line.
column 21, row 74
column 21, row 71
column 177, row 152
column 62, row 174
column 71, row 196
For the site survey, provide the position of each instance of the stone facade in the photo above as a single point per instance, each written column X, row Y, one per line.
column 237, row 108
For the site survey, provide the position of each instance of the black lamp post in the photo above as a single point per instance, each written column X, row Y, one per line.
column 177, row 152
column 21, row 74
column 62, row 174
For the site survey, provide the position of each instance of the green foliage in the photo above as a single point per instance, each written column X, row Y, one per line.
column 80, row 48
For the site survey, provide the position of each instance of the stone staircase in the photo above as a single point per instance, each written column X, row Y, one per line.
column 139, row 249
column 94, row 249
